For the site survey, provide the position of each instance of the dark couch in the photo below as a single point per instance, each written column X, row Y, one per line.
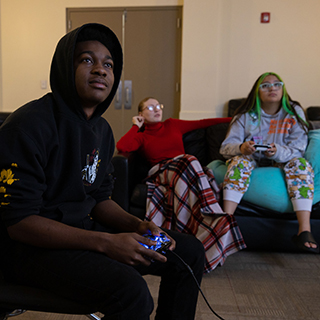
column 3, row 116
column 262, row 229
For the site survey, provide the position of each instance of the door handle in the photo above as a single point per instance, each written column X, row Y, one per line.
column 128, row 94
column 118, row 97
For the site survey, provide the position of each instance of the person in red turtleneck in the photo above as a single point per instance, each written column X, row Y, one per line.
column 159, row 140
column 182, row 195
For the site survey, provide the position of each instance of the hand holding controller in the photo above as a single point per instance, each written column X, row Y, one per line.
column 262, row 147
column 163, row 243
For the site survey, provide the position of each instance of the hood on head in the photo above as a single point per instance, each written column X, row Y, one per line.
column 62, row 75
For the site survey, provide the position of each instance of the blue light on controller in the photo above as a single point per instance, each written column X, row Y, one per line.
column 162, row 242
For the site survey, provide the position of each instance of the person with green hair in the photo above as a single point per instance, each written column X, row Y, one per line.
column 270, row 129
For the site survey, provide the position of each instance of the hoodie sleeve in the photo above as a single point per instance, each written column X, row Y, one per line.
column 230, row 147
column 294, row 144
column 21, row 177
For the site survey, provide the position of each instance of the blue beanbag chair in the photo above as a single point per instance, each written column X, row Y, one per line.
column 268, row 187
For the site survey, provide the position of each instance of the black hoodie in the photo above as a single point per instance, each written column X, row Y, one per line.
column 53, row 161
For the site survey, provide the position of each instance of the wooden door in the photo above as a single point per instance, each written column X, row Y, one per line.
column 151, row 41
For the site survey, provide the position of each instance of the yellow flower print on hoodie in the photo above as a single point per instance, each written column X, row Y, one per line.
column 6, row 177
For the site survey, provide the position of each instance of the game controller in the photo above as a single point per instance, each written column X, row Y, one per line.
column 163, row 243
column 262, row 147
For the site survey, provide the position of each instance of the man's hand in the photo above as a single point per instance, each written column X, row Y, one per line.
column 125, row 248
column 149, row 227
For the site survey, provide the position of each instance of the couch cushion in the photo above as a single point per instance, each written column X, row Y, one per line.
column 195, row 143
column 233, row 105
column 139, row 195
column 313, row 156
column 314, row 124
column 4, row 116
column 215, row 135
column 267, row 187
column 313, row 113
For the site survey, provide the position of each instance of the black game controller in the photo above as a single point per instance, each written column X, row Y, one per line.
column 163, row 243
column 262, row 147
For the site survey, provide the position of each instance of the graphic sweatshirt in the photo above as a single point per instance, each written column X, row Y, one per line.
column 54, row 162
column 281, row 128
column 162, row 140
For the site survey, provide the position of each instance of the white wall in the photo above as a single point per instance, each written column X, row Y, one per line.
column 224, row 48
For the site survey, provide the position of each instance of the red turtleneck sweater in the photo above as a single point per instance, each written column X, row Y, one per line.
column 162, row 140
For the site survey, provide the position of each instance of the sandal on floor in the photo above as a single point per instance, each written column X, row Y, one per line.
column 302, row 238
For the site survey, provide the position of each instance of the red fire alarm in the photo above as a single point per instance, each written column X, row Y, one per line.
column 265, row 17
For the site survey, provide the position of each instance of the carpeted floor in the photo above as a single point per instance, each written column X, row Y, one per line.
column 253, row 285
column 263, row 286
column 250, row 285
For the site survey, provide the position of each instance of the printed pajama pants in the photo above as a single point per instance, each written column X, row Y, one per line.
column 299, row 177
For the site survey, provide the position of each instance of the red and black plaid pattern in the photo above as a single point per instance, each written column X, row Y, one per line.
column 183, row 196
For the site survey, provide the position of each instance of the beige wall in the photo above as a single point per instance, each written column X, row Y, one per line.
column 289, row 45
column 225, row 48
column 30, row 31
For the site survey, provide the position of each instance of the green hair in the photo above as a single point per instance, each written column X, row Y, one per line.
column 252, row 104
column 256, row 103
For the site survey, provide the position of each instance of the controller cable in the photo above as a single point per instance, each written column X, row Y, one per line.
column 197, row 283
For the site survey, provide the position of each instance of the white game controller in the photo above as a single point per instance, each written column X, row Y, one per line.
column 262, row 147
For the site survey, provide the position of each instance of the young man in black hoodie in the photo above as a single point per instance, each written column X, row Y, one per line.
column 59, row 228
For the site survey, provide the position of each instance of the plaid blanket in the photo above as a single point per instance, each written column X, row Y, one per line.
column 183, row 196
